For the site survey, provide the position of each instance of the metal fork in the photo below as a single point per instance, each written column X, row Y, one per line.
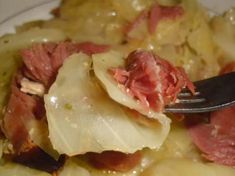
column 211, row 94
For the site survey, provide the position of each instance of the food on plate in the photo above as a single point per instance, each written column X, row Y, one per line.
column 83, row 93
column 84, row 119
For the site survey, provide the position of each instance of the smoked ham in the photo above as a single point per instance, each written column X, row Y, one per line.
column 42, row 61
column 216, row 138
column 151, row 80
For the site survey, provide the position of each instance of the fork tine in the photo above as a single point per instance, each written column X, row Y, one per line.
column 191, row 100
column 187, row 93
column 212, row 94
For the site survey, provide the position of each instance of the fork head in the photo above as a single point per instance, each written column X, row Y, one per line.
column 211, row 94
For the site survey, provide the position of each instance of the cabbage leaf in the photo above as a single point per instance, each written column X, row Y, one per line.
column 82, row 118
column 24, row 39
column 11, row 169
column 179, row 167
column 72, row 168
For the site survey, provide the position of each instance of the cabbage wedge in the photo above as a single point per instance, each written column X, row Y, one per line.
column 82, row 118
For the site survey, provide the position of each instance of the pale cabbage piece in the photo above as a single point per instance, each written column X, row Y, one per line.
column 11, row 169
column 177, row 145
column 95, row 21
column 224, row 36
column 1, row 149
column 26, row 38
column 38, row 132
column 201, row 42
column 129, row 9
column 72, row 168
column 76, row 166
column 180, row 167
column 82, row 118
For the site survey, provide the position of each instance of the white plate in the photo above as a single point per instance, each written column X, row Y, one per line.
column 16, row 12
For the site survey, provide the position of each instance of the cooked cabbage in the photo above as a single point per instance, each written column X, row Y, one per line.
column 10, row 169
column 179, row 167
column 72, row 168
column 94, row 21
column 224, row 36
column 1, row 149
column 39, row 135
column 79, row 167
column 129, row 9
column 34, row 35
column 82, row 118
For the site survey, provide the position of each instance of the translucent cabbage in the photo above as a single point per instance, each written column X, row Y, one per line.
column 180, row 167
column 224, row 36
column 10, row 169
column 34, row 35
column 171, row 32
column 71, row 168
column 82, row 118
column 38, row 132
column 1, row 149
column 89, row 20
column 76, row 166
column 129, row 9
column 177, row 145
column 200, row 41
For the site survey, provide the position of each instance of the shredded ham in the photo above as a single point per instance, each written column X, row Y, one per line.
column 154, row 16
column 151, row 80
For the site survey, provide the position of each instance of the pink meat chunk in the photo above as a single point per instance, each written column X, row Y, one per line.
column 42, row 61
column 151, row 80
column 216, row 139
column 22, row 110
